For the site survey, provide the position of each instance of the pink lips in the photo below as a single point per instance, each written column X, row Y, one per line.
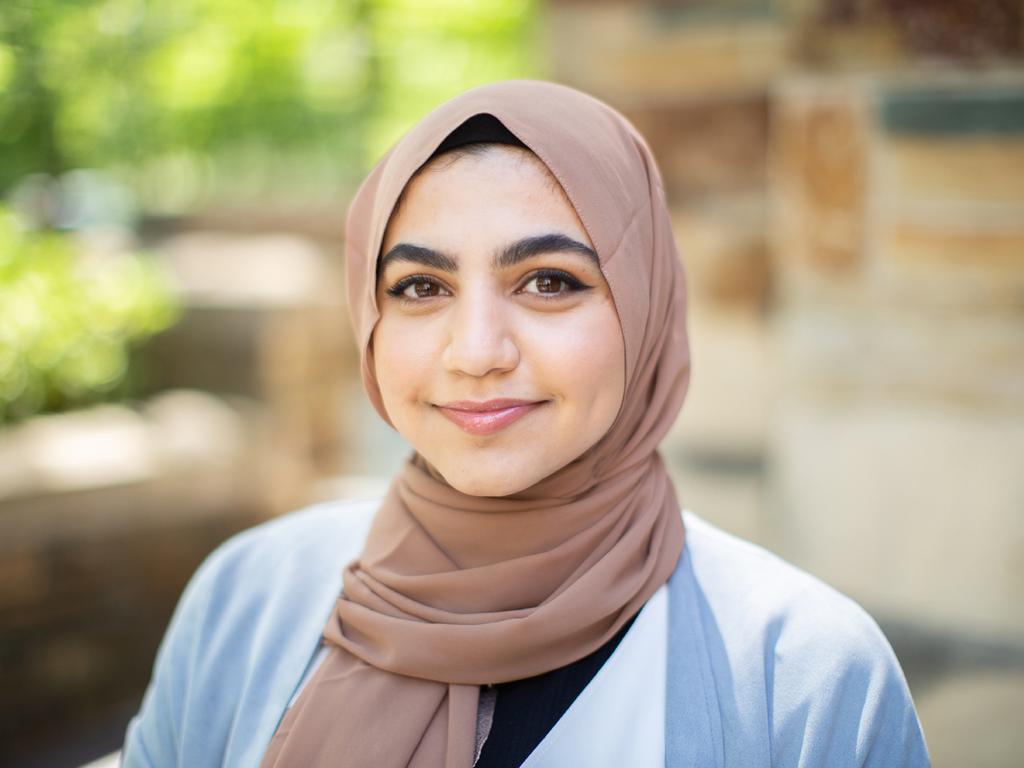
column 487, row 417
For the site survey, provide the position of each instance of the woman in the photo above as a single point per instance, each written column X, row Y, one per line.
column 528, row 592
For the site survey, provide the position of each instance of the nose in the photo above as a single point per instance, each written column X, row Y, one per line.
column 480, row 338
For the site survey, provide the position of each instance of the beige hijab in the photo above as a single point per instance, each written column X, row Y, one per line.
column 454, row 591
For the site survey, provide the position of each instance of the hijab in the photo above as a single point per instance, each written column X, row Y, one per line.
column 453, row 591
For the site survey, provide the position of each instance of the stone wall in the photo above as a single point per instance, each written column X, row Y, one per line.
column 901, row 331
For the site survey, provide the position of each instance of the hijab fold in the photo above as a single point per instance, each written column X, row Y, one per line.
column 453, row 591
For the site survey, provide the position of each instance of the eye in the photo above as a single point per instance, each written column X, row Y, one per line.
column 416, row 287
column 552, row 282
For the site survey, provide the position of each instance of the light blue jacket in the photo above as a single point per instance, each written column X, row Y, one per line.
column 766, row 664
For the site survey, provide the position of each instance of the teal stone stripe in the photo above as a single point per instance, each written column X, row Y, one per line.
column 964, row 111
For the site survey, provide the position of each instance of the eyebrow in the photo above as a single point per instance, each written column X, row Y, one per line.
column 509, row 256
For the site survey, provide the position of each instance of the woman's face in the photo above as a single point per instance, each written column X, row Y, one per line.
column 498, row 351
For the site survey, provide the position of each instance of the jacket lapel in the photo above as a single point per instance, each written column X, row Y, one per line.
column 693, row 726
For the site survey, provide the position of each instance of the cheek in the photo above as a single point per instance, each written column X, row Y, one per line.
column 582, row 359
column 403, row 360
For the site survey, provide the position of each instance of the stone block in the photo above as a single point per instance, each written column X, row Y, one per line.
column 724, row 251
column 910, row 507
column 952, row 264
column 708, row 148
column 891, row 34
column 984, row 170
column 948, row 194
column 635, row 55
column 820, row 167
column 985, row 105
column 913, row 354
column 265, row 319
column 899, row 191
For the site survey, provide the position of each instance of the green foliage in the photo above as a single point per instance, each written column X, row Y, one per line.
column 430, row 50
column 191, row 99
column 68, row 323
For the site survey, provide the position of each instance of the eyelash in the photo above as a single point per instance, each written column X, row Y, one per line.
column 571, row 283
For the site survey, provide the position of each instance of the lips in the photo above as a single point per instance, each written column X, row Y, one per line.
column 485, row 418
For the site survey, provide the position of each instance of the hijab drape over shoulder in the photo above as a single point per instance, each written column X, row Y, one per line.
column 453, row 591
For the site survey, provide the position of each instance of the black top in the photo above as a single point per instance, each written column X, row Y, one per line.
column 525, row 710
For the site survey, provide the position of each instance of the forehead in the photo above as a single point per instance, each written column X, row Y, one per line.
column 472, row 190
column 505, row 157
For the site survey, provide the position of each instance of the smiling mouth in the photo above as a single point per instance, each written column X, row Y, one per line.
column 473, row 419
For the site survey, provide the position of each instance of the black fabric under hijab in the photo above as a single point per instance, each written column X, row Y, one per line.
column 525, row 710
column 479, row 127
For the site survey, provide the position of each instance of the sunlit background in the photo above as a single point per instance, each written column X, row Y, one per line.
column 846, row 179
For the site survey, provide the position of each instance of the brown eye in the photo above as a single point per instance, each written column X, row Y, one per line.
column 552, row 283
column 420, row 290
column 549, row 284
column 416, row 287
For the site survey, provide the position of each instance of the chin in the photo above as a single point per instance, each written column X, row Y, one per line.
column 481, row 484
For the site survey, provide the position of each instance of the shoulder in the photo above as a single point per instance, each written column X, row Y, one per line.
column 298, row 545
column 746, row 583
column 318, row 526
column 241, row 635
column 271, row 575
column 256, row 574
column 786, row 649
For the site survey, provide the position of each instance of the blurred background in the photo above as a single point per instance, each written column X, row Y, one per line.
column 846, row 179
